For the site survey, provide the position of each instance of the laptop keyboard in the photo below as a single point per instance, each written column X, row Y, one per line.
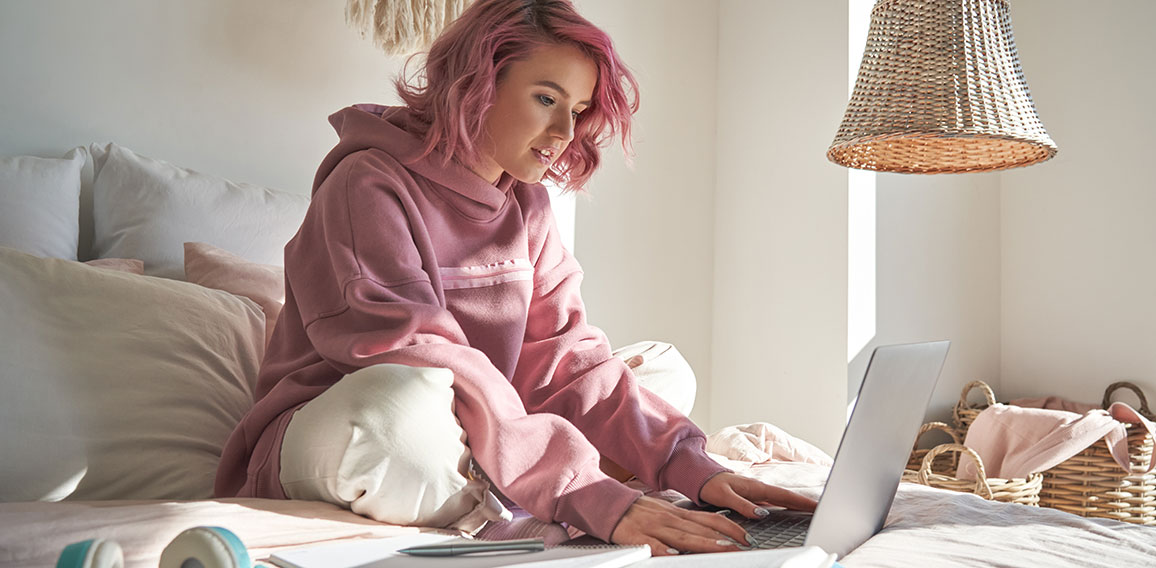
column 780, row 529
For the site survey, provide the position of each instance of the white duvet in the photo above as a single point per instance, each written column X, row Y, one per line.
column 926, row 528
column 938, row 528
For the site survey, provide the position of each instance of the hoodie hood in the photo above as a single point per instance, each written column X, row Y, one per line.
column 394, row 130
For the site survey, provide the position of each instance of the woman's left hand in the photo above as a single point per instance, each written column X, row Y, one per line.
column 746, row 496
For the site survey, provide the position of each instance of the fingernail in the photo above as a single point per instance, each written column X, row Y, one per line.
column 761, row 512
column 672, row 551
column 724, row 542
column 750, row 539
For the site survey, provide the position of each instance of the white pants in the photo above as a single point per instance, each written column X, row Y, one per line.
column 384, row 442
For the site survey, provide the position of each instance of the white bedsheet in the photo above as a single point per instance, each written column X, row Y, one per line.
column 929, row 528
column 926, row 528
column 937, row 528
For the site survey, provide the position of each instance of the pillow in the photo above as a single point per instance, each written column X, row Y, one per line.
column 117, row 386
column 40, row 204
column 215, row 268
column 147, row 209
column 129, row 265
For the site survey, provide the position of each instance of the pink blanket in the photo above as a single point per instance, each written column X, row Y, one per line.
column 1016, row 441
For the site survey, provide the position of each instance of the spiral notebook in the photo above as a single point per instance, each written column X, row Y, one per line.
column 383, row 553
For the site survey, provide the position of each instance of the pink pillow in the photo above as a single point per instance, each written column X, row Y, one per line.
column 130, row 265
column 219, row 269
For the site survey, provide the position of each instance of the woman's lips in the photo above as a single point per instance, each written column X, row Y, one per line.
column 545, row 155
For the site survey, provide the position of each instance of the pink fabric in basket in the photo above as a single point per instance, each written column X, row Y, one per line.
column 1054, row 403
column 1016, row 441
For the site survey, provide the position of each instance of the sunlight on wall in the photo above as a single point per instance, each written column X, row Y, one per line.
column 564, row 206
column 860, row 213
column 860, row 261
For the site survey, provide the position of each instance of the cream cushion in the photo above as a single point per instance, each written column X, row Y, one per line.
column 220, row 269
column 147, row 209
column 40, row 204
column 117, row 386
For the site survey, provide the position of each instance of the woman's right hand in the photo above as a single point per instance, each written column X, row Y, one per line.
column 670, row 530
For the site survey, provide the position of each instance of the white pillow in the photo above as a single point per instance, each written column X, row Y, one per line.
column 40, row 204
column 117, row 386
column 147, row 209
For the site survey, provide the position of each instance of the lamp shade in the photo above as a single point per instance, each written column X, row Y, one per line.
column 940, row 90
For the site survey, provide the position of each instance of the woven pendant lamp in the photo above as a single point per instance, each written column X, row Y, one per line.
column 940, row 90
column 401, row 27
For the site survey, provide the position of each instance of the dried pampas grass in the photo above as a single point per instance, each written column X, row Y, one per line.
column 402, row 27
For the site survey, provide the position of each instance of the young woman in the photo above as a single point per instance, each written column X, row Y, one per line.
column 433, row 325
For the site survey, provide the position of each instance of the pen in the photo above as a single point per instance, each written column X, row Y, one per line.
column 459, row 547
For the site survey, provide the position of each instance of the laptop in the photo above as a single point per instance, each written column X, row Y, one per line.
column 876, row 443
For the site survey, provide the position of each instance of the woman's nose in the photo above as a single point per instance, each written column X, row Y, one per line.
column 563, row 127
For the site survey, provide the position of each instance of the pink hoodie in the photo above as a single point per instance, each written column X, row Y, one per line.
column 403, row 260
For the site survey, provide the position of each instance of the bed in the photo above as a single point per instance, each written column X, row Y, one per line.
column 129, row 353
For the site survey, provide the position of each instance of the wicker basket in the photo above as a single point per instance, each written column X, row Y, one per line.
column 1112, row 388
column 945, row 463
column 1091, row 483
column 964, row 412
column 1025, row 491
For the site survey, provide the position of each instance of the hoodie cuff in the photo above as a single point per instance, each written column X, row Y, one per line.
column 595, row 503
column 689, row 468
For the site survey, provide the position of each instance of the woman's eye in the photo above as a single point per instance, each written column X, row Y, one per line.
column 546, row 100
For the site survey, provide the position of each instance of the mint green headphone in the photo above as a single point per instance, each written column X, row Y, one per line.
column 198, row 547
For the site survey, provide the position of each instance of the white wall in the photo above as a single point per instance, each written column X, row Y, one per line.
column 1079, row 275
column 644, row 234
column 239, row 89
column 938, row 276
column 236, row 89
column 780, row 296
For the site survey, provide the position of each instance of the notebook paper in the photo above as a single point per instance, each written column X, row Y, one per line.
column 383, row 553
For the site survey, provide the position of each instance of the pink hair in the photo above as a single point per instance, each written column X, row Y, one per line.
column 465, row 63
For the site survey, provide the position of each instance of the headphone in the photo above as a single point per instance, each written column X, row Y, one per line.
column 198, row 547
